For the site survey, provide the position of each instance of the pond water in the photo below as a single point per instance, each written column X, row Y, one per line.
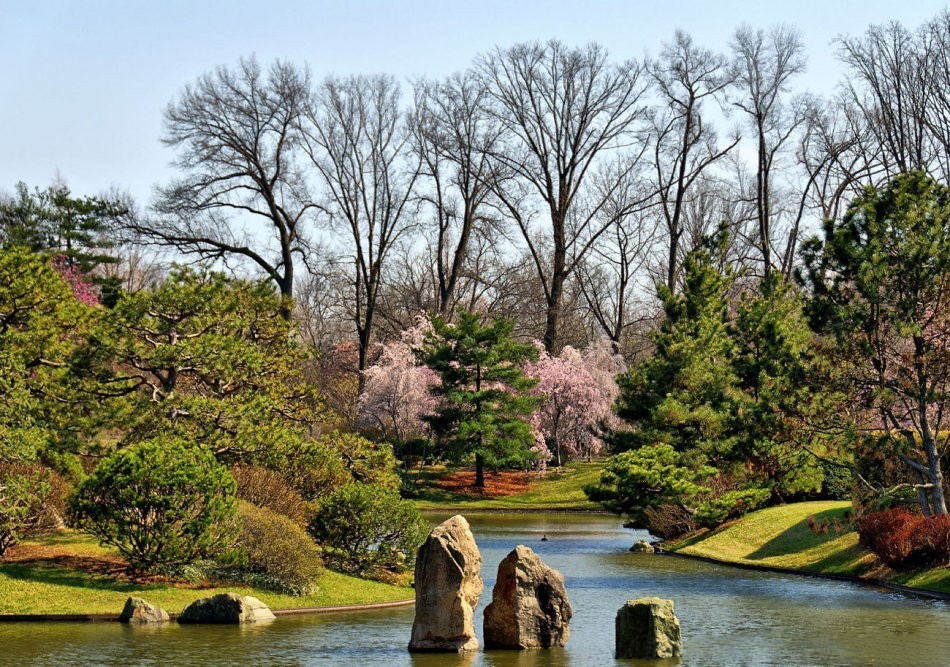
column 728, row 616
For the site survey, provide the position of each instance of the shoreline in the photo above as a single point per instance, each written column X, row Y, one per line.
column 873, row 582
column 114, row 618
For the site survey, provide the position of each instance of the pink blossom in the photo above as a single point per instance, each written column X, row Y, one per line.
column 83, row 290
column 578, row 391
column 396, row 393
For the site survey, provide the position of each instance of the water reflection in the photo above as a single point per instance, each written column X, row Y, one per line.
column 728, row 617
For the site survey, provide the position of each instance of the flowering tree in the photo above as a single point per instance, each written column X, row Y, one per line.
column 578, row 392
column 82, row 288
column 396, row 393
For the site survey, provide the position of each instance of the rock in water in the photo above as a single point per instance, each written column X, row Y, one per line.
column 448, row 586
column 647, row 628
column 137, row 610
column 226, row 608
column 642, row 547
column 529, row 607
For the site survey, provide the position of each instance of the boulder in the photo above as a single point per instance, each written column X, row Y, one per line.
column 529, row 607
column 137, row 610
column 647, row 628
column 642, row 547
column 226, row 608
column 448, row 586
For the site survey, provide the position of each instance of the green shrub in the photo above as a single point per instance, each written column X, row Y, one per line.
column 161, row 504
column 278, row 551
column 265, row 488
column 24, row 493
column 838, row 480
column 362, row 526
column 730, row 505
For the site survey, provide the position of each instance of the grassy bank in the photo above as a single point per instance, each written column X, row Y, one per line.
column 554, row 491
column 781, row 537
column 65, row 581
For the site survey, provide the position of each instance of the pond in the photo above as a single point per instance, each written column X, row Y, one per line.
column 728, row 616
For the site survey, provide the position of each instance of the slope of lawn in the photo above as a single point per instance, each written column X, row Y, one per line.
column 781, row 537
column 59, row 584
column 556, row 490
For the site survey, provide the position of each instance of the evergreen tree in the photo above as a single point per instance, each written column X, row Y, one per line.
column 484, row 402
column 680, row 396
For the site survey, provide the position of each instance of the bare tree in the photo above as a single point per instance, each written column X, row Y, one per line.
column 454, row 137
column 685, row 144
column 562, row 109
column 898, row 80
column 763, row 66
column 357, row 140
column 242, row 194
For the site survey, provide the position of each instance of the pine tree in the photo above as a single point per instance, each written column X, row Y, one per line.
column 484, row 403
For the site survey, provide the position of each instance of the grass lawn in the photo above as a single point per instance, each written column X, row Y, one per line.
column 780, row 537
column 554, row 491
column 44, row 587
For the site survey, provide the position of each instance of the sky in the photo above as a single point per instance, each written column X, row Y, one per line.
column 84, row 83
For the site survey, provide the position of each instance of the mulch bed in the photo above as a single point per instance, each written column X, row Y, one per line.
column 497, row 484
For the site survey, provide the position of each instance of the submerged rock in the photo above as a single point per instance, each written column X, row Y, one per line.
column 529, row 607
column 226, row 608
column 647, row 628
column 448, row 586
column 642, row 547
column 137, row 610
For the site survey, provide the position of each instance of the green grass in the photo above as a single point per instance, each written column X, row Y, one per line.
column 27, row 588
column 780, row 537
column 555, row 491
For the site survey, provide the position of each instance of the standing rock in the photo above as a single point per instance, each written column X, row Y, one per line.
column 447, row 589
column 137, row 610
column 647, row 628
column 529, row 607
column 226, row 608
column 642, row 547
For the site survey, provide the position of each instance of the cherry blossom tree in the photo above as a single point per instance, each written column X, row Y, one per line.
column 396, row 393
column 579, row 390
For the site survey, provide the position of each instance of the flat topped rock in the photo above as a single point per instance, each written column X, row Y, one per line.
column 137, row 610
column 642, row 547
column 529, row 607
column 648, row 628
column 226, row 608
column 448, row 586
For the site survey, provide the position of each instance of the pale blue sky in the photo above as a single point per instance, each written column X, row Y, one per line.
column 84, row 83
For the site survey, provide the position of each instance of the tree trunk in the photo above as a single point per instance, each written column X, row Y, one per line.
column 479, row 471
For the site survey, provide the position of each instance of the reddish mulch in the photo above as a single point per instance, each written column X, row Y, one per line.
column 497, row 484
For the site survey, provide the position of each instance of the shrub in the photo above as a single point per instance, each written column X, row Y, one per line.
column 265, row 488
column 931, row 541
column 24, row 492
column 161, row 504
column 902, row 539
column 838, row 480
column 273, row 545
column 669, row 520
column 362, row 527
column 730, row 505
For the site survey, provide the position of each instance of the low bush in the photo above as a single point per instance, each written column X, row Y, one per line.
column 25, row 502
column 669, row 520
column 931, row 540
column 161, row 503
column 265, row 488
column 730, row 505
column 277, row 551
column 363, row 526
column 902, row 539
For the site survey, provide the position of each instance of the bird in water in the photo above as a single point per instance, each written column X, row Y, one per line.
column 544, row 538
